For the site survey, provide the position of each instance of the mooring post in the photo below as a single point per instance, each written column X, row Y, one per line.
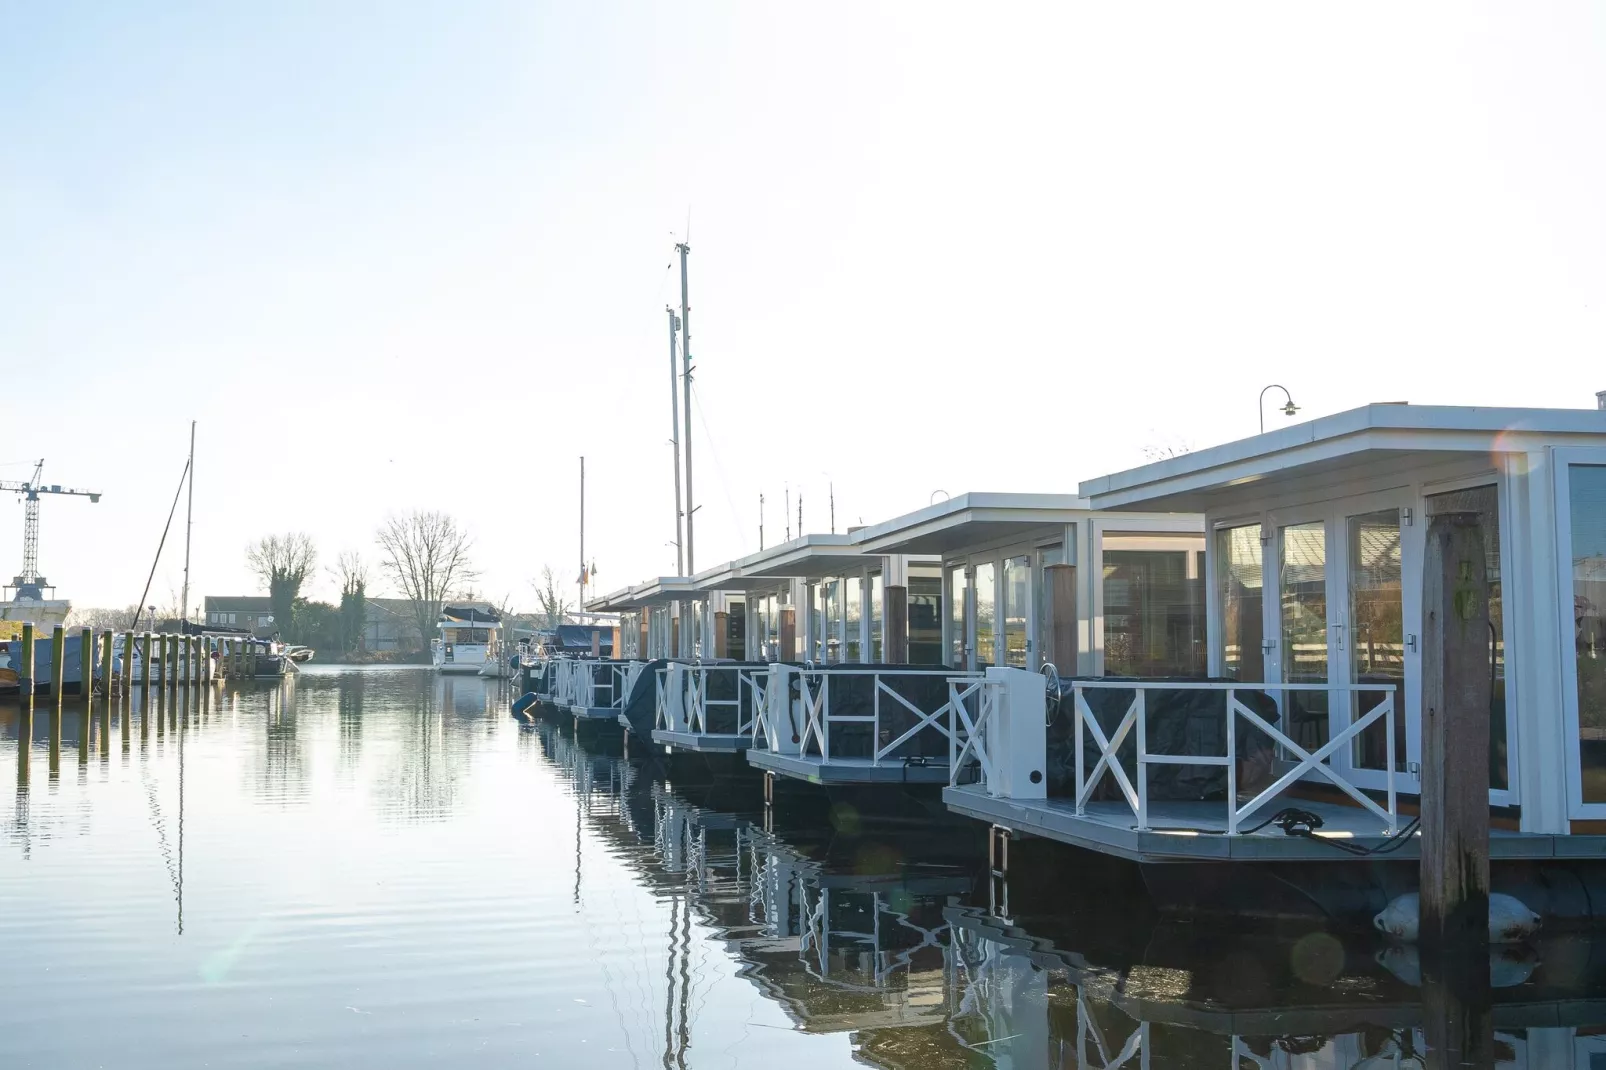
column 107, row 661
column 58, row 661
column 86, row 666
column 145, row 665
column 788, row 634
column 127, row 675
column 895, row 624
column 1457, row 646
column 25, row 685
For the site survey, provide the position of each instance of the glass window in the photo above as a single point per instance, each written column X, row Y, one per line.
column 1153, row 606
column 925, row 615
column 986, row 614
column 958, row 587
column 876, row 599
column 1242, row 587
column 853, row 617
column 1485, row 501
column 1017, row 578
column 1587, row 497
column 1376, row 631
column 1302, row 581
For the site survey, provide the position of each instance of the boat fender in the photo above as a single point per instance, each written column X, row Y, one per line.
column 1510, row 920
column 523, row 702
column 1509, row 966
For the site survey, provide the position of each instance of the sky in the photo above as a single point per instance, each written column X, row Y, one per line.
column 403, row 255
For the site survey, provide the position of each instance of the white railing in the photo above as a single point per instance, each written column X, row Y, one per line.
column 811, row 715
column 1134, row 722
column 968, row 737
column 751, row 680
column 574, row 683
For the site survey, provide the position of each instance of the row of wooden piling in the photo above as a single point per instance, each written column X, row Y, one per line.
column 184, row 659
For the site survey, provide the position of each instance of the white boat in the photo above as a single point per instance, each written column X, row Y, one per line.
column 470, row 637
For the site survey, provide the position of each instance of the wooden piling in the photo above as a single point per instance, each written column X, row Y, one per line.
column 788, row 633
column 107, row 663
column 86, row 665
column 58, row 661
column 145, row 666
column 1456, row 700
column 25, row 681
column 895, row 624
column 721, row 634
column 127, row 675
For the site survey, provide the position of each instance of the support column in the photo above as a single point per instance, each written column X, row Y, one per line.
column 895, row 624
column 788, row 634
column 1059, row 617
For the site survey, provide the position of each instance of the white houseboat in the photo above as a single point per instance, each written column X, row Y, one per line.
column 469, row 637
column 1310, row 691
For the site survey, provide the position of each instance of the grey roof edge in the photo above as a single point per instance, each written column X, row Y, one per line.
column 872, row 533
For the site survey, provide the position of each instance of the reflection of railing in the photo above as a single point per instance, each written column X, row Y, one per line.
column 1134, row 723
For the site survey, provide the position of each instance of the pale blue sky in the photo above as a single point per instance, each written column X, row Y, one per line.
column 404, row 254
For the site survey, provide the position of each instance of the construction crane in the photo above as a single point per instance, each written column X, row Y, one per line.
column 29, row 582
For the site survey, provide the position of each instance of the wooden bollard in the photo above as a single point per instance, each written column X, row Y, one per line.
column 107, row 663
column 127, row 674
column 895, row 624
column 25, row 682
column 58, row 661
column 86, row 665
column 145, row 665
column 1454, row 875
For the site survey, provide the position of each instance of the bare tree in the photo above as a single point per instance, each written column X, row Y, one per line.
column 352, row 572
column 554, row 607
column 283, row 563
column 103, row 620
column 425, row 554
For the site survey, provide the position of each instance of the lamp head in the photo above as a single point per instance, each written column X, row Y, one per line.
column 1290, row 408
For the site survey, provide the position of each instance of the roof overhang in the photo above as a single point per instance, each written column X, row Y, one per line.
column 1358, row 444
column 808, row 557
column 970, row 520
column 612, row 603
column 653, row 592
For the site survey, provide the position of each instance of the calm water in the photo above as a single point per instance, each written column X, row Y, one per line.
column 383, row 868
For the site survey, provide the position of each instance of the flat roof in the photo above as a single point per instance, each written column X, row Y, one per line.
column 652, row 592
column 808, row 557
column 972, row 519
column 611, row 602
column 1362, row 441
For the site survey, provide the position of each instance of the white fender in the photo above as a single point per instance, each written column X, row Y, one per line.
column 1510, row 920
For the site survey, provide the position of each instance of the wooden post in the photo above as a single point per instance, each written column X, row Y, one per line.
column 788, row 630
column 641, row 650
column 128, row 662
column 721, row 635
column 1454, row 875
column 58, row 661
column 25, row 684
column 596, row 642
column 1059, row 644
column 86, row 665
column 145, row 666
column 895, row 622
column 106, row 665
column 618, row 642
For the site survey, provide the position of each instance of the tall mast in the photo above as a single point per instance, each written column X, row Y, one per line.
column 685, row 356
column 674, row 415
column 582, row 606
column 189, row 522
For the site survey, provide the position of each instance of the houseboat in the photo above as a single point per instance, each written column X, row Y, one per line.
column 1296, row 737
column 468, row 639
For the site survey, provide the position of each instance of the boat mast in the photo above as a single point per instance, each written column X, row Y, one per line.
column 581, row 607
column 189, row 523
column 685, row 356
column 674, row 415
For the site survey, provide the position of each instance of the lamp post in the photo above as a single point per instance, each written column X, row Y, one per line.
column 1288, row 410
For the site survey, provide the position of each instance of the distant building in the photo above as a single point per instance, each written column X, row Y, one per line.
column 392, row 626
column 235, row 611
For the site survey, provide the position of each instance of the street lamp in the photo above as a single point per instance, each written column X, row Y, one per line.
column 1288, row 409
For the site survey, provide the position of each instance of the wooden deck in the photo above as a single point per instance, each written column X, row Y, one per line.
column 703, row 742
column 817, row 770
column 1196, row 831
column 593, row 713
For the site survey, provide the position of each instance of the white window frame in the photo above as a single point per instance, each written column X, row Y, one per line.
column 1564, row 458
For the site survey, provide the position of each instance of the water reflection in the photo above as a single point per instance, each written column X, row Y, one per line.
column 374, row 867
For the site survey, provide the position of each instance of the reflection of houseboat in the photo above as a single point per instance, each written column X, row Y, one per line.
column 468, row 639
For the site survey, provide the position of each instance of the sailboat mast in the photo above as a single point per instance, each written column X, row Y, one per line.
column 189, row 522
column 685, row 357
column 674, row 416
column 582, row 606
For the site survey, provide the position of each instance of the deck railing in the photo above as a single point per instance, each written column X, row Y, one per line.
column 803, row 724
column 1134, row 723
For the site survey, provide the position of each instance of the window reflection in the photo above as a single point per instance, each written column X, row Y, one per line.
column 1017, row 578
column 925, row 615
column 876, row 598
column 1302, row 581
column 986, row 613
column 957, row 588
column 1587, row 498
column 1154, row 605
column 1376, row 631
column 853, row 617
column 1243, row 590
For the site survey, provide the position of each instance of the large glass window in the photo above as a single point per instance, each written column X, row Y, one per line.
column 876, row 599
column 958, row 587
column 1302, row 581
column 1587, row 497
column 986, row 614
column 1017, row 580
column 853, row 617
column 925, row 615
column 1485, row 501
column 1376, row 631
column 1153, row 605
column 1242, row 587
column 1048, row 555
